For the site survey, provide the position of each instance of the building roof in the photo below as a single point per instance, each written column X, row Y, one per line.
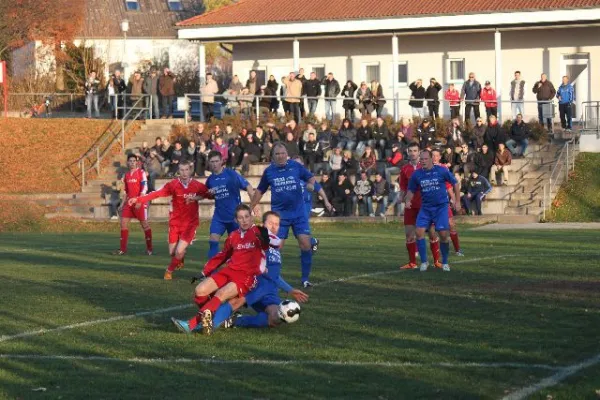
column 250, row 12
column 153, row 20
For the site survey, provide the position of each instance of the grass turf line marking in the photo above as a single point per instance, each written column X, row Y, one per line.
column 6, row 338
column 558, row 377
column 139, row 360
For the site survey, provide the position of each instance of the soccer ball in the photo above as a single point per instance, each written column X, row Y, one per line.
column 289, row 311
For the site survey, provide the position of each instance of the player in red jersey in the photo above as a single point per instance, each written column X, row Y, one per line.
column 136, row 184
column 244, row 258
column 183, row 215
column 410, row 214
column 437, row 157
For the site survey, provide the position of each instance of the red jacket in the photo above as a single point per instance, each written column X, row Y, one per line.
column 489, row 97
column 453, row 96
column 395, row 159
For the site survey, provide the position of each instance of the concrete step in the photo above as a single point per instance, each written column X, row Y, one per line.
column 526, row 203
column 526, row 210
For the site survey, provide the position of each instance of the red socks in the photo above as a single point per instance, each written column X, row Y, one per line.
column 435, row 250
column 124, row 239
column 148, row 235
column 412, row 249
column 455, row 242
column 174, row 263
column 201, row 300
column 212, row 305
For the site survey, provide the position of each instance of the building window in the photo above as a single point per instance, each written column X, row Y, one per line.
column 175, row 5
column 402, row 67
column 456, row 70
column 319, row 70
column 132, row 5
column 371, row 72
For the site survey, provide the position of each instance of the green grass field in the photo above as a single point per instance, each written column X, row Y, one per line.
column 520, row 306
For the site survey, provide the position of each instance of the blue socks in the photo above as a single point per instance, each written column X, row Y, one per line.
column 260, row 320
column 221, row 315
column 422, row 247
column 306, row 263
column 213, row 248
column 445, row 249
column 313, row 241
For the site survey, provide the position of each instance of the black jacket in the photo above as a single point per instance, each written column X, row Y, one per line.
column 493, row 136
column 519, row 132
column 426, row 136
column 364, row 134
column 312, row 148
column 339, row 191
column 312, row 87
column 432, row 92
column 348, row 94
column 235, row 154
column 350, row 166
column 252, row 149
column 483, row 162
column 381, row 132
column 332, row 87
column 292, row 148
column 416, row 93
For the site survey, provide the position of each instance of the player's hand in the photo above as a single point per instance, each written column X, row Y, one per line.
column 408, row 204
column 329, row 207
column 138, row 206
column 264, row 234
column 256, row 211
column 132, row 201
column 299, row 295
column 457, row 207
column 192, row 199
column 198, row 278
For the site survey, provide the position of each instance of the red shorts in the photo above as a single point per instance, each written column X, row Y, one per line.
column 410, row 216
column 450, row 213
column 140, row 213
column 186, row 233
column 244, row 282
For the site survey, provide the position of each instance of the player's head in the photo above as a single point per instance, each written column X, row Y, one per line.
column 426, row 159
column 436, row 154
column 271, row 220
column 186, row 168
column 280, row 154
column 132, row 161
column 413, row 151
column 215, row 162
column 243, row 217
column 298, row 159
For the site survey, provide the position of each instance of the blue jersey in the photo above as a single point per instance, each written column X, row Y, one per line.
column 432, row 184
column 286, row 189
column 226, row 188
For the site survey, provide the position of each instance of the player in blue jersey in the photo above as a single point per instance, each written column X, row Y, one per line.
column 283, row 176
column 225, row 184
column 431, row 180
column 307, row 195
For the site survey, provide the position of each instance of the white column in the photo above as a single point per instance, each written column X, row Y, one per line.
column 395, row 74
column 498, row 54
column 296, row 55
column 202, row 63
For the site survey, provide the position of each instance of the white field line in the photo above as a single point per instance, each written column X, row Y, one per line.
column 279, row 362
column 6, row 338
column 561, row 375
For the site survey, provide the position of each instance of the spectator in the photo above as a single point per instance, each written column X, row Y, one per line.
column 347, row 135
column 362, row 195
column 426, row 134
column 283, row 94
column 448, row 157
column 208, row 92
column 378, row 97
column 324, row 139
column 484, row 161
column 471, row 94
column 381, row 136
column 335, row 162
column 368, row 161
column 502, row 163
column 293, row 97
column 519, row 136
column 135, row 88
column 432, row 93
column 394, row 162
column 153, row 167
column 453, row 97
column 566, row 97
column 273, row 86
column 291, row 145
column 151, row 88
column 293, row 128
column 455, row 138
column 417, row 95
column 397, row 141
column 493, row 134
column 177, row 156
column 235, row 153
column 260, row 138
column 166, row 88
column 251, row 155
column 300, row 77
column 312, row 89
column 92, row 94
column 342, row 196
column 235, row 86
column 545, row 92
column 190, row 153
column 244, row 137
column 477, row 188
column 407, row 131
column 252, row 83
column 381, row 192
column 464, row 161
column 326, row 184
column 112, row 96
column 488, row 96
column 332, row 90
column 216, row 132
column 478, row 136
column 272, row 133
column 310, row 128
column 349, row 103
column 201, row 160
column 364, row 97
column 364, row 137
column 120, row 88
column 311, row 152
column 221, row 147
column 144, row 151
column 517, row 92
column 264, row 101
column 157, row 146
column 200, row 135
column 350, row 166
column 167, row 151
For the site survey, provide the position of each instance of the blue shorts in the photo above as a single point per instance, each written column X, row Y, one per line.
column 437, row 215
column 300, row 226
column 265, row 294
column 308, row 209
column 219, row 227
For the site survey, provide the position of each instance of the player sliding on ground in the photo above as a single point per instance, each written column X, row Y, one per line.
column 183, row 214
column 431, row 180
column 283, row 176
column 264, row 299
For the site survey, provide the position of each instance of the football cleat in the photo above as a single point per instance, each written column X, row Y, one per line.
column 181, row 325
column 424, row 267
column 230, row 322
column 315, row 246
column 460, row 253
column 150, row 252
column 437, row 264
column 119, row 253
column 409, row 266
column 446, row 268
column 168, row 276
column 306, row 284
column 207, row 323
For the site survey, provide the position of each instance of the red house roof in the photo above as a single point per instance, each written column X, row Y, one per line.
column 247, row 12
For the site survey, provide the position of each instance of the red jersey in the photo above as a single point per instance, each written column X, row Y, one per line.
column 448, row 184
column 243, row 251
column 136, row 183
column 181, row 213
column 405, row 174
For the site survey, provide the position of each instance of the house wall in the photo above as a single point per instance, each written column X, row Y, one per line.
column 532, row 52
column 33, row 59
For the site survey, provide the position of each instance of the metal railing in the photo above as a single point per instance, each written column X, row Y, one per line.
column 42, row 104
column 564, row 164
column 591, row 118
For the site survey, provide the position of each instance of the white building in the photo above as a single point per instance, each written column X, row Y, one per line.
column 399, row 41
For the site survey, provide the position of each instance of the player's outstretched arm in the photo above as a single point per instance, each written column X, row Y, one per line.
column 298, row 295
column 316, row 187
column 219, row 259
column 250, row 190
column 165, row 191
column 456, row 196
column 256, row 199
column 408, row 199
